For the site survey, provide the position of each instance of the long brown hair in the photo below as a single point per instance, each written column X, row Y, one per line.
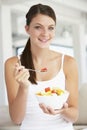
column 26, row 56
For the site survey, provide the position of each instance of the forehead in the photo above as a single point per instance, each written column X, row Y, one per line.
column 43, row 19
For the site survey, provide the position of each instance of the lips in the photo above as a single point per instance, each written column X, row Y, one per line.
column 43, row 40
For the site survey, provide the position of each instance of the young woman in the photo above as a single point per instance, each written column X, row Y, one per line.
column 22, row 83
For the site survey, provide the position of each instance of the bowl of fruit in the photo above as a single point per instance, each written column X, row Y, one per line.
column 53, row 97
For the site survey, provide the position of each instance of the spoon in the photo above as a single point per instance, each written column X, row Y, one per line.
column 42, row 70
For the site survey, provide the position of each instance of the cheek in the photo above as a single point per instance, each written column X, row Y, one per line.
column 53, row 35
column 34, row 33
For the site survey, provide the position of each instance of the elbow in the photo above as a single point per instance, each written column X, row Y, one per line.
column 16, row 120
column 72, row 115
column 75, row 118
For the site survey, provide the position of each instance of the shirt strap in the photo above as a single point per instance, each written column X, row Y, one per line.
column 62, row 61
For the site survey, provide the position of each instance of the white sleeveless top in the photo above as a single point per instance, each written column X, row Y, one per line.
column 35, row 118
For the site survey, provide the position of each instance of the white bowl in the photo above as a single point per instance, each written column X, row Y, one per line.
column 54, row 101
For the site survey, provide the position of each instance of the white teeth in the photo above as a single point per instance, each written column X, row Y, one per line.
column 43, row 40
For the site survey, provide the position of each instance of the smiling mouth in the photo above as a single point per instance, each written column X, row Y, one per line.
column 44, row 40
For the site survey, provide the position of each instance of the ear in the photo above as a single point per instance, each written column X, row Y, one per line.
column 27, row 28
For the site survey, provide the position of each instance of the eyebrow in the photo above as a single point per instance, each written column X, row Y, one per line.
column 42, row 25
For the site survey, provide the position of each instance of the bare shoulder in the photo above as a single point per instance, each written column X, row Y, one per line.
column 70, row 60
column 10, row 64
column 11, row 61
column 70, row 64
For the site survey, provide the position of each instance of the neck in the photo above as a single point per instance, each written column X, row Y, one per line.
column 40, row 55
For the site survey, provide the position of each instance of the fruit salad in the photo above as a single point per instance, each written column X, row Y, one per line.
column 48, row 91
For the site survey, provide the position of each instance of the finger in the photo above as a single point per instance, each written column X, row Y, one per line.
column 23, row 75
column 17, row 64
column 44, row 108
column 65, row 105
column 51, row 110
column 23, row 81
column 19, row 69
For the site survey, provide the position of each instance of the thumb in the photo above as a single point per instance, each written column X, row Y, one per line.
column 65, row 105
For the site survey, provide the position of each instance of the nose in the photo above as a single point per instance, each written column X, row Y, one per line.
column 45, row 32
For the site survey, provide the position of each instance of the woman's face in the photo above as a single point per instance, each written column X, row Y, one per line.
column 41, row 30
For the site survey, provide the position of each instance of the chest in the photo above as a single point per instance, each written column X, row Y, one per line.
column 57, row 81
column 52, row 70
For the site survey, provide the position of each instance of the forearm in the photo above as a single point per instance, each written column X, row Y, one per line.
column 17, row 108
column 70, row 114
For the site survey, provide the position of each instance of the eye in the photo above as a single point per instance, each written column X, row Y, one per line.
column 38, row 27
column 51, row 28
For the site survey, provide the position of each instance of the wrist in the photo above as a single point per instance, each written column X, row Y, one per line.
column 23, row 88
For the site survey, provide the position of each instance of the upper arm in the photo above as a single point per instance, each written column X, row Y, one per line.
column 11, row 83
column 71, row 73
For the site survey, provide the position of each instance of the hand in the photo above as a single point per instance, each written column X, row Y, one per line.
column 50, row 110
column 22, row 75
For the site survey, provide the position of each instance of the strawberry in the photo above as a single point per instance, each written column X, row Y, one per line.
column 53, row 91
column 43, row 69
column 47, row 89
